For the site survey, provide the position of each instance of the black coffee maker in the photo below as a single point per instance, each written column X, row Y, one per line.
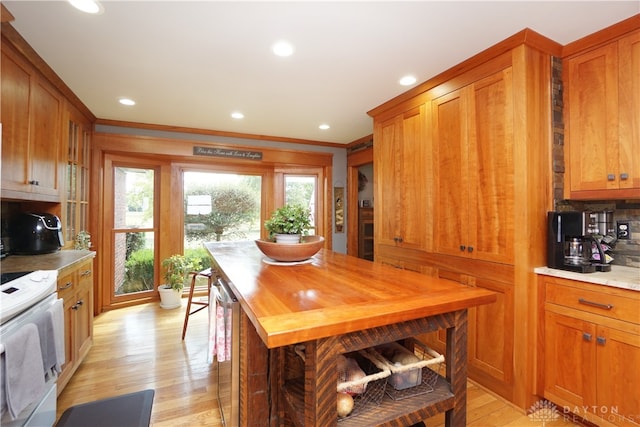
column 571, row 238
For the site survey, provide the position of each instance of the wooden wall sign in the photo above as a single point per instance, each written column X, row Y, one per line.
column 226, row 152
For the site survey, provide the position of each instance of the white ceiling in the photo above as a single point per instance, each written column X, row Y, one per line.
column 192, row 63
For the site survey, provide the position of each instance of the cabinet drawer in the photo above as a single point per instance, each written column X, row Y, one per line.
column 85, row 274
column 614, row 306
column 67, row 285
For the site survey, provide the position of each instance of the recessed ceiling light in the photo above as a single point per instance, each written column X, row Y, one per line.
column 282, row 48
column 407, row 80
column 324, row 126
column 127, row 101
column 87, row 6
column 237, row 115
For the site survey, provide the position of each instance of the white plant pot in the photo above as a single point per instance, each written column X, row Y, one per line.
column 169, row 298
column 288, row 239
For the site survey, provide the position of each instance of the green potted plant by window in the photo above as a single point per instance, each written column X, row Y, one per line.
column 176, row 268
column 289, row 223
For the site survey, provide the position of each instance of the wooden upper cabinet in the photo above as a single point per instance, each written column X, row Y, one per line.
column 44, row 140
column 401, row 173
column 474, row 165
column 629, row 113
column 31, row 117
column 16, row 84
column 602, row 129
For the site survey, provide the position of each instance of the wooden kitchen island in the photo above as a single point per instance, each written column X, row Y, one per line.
column 338, row 304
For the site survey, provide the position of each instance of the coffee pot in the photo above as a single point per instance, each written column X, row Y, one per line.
column 575, row 236
column 577, row 251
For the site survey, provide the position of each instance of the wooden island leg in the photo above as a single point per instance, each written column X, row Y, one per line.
column 320, row 379
column 457, row 370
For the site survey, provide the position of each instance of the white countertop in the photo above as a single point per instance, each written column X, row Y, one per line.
column 619, row 277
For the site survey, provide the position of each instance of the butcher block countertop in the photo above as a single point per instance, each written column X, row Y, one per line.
column 332, row 295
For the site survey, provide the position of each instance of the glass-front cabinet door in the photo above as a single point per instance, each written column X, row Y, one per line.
column 76, row 212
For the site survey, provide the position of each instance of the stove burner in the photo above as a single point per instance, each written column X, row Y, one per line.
column 7, row 277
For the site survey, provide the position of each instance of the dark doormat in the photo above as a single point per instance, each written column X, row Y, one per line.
column 128, row 410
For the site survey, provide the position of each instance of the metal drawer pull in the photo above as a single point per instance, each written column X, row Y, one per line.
column 595, row 304
column 66, row 286
column 86, row 273
column 586, row 336
column 611, row 177
column 624, row 176
column 601, row 340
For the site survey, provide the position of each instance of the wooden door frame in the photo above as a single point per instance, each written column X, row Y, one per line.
column 354, row 161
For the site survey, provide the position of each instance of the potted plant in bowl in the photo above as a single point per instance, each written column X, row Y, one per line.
column 289, row 223
column 176, row 268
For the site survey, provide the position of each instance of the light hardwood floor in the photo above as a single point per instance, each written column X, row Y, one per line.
column 140, row 347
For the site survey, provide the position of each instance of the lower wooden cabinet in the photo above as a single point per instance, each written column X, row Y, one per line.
column 75, row 287
column 491, row 330
column 591, row 357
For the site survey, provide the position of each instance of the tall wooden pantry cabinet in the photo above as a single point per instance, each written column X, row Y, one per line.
column 469, row 203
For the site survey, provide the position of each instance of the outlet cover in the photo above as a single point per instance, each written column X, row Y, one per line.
column 623, row 231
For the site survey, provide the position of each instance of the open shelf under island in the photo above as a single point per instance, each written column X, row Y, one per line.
column 334, row 305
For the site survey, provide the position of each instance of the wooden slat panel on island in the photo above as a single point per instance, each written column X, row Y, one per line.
column 337, row 304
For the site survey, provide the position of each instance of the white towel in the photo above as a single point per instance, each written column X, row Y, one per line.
column 44, row 323
column 57, row 317
column 24, row 381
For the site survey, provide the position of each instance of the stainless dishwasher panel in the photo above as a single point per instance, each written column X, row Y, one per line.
column 229, row 369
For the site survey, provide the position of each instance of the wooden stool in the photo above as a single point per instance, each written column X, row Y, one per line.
column 205, row 273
